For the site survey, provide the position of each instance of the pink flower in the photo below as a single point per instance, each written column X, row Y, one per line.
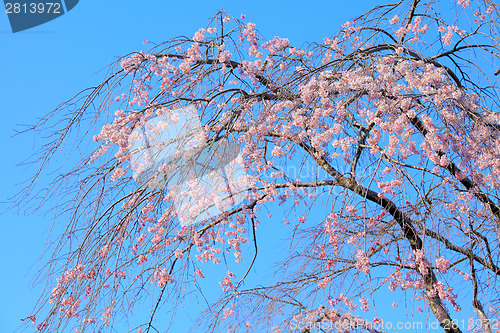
column 323, row 283
column 277, row 151
column 199, row 273
column 447, row 37
column 179, row 254
column 117, row 174
column 226, row 283
column 199, row 35
column 442, row 264
column 351, row 209
column 227, row 313
column 394, row 20
column 142, row 259
column 396, row 183
column 421, row 262
column 364, row 304
column 224, row 56
column 363, row 263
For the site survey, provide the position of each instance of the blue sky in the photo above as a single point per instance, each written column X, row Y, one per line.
column 47, row 65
